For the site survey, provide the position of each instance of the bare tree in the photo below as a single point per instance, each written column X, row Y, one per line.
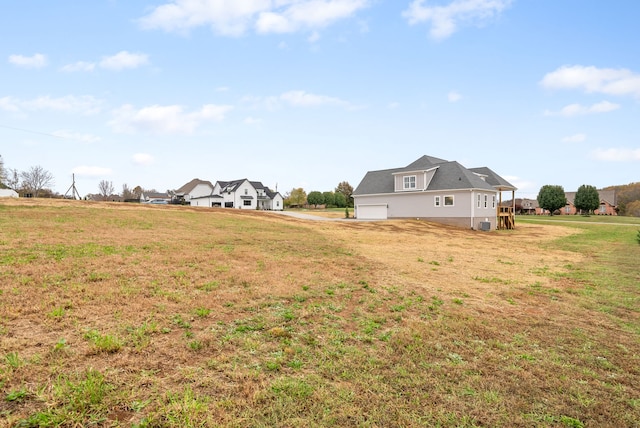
column 127, row 193
column 36, row 179
column 105, row 189
column 3, row 172
column 13, row 179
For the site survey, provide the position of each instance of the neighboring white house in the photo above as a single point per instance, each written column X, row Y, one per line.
column 433, row 189
column 196, row 188
column 241, row 194
column 8, row 193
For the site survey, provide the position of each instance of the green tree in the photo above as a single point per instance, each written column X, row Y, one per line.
column 551, row 197
column 587, row 199
column 315, row 198
column 339, row 200
column 296, row 198
column 347, row 190
column 329, row 199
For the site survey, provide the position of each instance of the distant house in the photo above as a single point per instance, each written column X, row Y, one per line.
column 608, row 203
column 8, row 193
column 241, row 194
column 196, row 188
column 436, row 190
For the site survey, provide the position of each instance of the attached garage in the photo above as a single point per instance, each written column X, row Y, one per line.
column 371, row 211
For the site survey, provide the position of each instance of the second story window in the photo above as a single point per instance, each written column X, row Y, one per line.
column 409, row 182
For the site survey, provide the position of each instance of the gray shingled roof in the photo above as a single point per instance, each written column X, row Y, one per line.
column 494, row 179
column 187, row 188
column 450, row 175
column 230, row 186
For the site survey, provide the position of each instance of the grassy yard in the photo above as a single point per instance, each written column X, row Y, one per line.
column 162, row 316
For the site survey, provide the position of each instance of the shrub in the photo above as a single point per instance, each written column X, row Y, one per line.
column 638, row 237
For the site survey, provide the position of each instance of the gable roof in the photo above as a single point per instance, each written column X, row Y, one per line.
column 231, row 186
column 449, row 175
column 494, row 179
column 608, row 196
column 187, row 188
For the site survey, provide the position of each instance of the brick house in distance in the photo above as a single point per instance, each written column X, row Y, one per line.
column 608, row 203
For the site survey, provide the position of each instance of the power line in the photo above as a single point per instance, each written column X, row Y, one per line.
column 30, row 131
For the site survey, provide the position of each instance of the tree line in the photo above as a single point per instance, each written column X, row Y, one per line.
column 587, row 200
column 35, row 181
column 340, row 197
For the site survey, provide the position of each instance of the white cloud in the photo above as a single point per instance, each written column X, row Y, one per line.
column 9, row 104
column 445, row 20
column 576, row 138
column 85, row 104
column 306, row 99
column 252, row 121
column 296, row 99
column 314, row 37
column 234, row 18
column 91, row 171
column 591, row 79
column 454, row 97
column 35, row 61
column 124, row 59
column 79, row 66
column 165, row 119
column 393, row 105
column 222, row 89
column 581, row 110
column 616, row 155
column 84, row 138
column 142, row 159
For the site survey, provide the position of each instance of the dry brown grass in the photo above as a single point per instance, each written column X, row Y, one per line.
column 242, row 318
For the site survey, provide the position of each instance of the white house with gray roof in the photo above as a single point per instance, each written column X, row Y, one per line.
column 241, row 194
column 436, row 190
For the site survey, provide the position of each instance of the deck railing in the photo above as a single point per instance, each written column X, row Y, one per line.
column 506, row 218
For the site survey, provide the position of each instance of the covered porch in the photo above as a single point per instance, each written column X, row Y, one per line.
column 506, row 215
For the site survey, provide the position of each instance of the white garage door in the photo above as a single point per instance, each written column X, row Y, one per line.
column 372, row 212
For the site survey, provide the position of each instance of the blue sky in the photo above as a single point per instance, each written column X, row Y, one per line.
column 308, row 93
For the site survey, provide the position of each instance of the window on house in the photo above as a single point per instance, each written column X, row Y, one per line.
column 409, row 182
column 277, row 203
column 247, row 203
column 436, row 201
column 603, row 209
column 228, row 204
column 246, row 191
column 493, row 201
column 479, row 201
column 486, row 201
column 448, row 201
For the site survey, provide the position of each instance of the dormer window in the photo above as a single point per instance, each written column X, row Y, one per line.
column 409, row 182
